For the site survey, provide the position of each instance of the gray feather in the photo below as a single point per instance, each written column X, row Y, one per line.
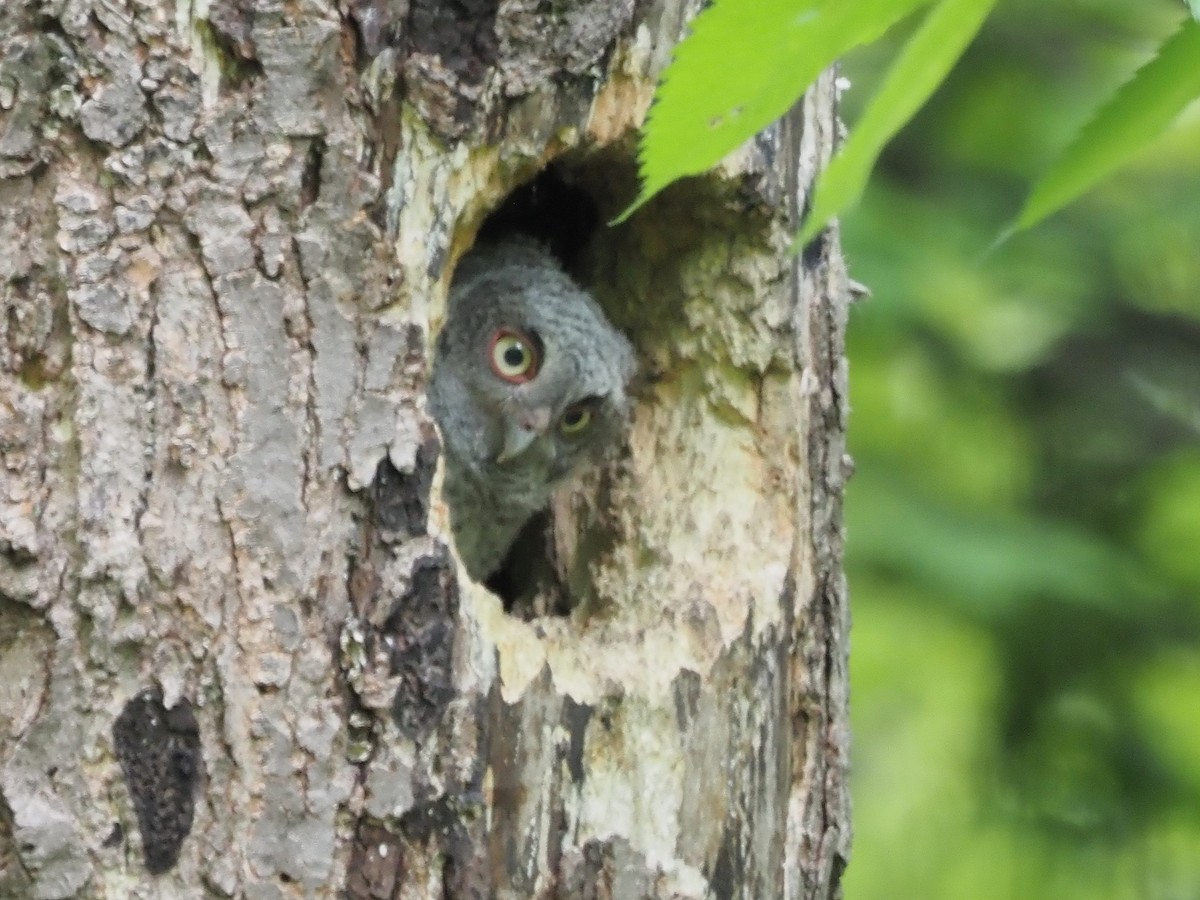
column 584, row 361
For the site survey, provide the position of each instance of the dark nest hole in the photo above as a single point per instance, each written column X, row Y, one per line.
column 634, row 272
column 555, row 209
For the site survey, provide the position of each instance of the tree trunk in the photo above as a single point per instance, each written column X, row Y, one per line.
column 237, row 658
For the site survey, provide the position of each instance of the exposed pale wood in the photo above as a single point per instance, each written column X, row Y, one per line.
column 226, row 234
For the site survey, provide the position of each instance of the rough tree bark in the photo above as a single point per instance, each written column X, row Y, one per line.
column 236, row 655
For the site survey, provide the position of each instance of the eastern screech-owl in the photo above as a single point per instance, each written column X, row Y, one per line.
column 529, row 381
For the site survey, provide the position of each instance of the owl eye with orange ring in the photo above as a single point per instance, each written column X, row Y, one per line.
column 513, row 355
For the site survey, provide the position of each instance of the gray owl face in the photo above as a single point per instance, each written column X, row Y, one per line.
column 529, row 377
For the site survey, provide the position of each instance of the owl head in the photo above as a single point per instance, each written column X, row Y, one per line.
column 529, row 378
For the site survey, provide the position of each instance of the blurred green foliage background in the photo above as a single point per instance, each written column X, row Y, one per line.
column 1024, row 525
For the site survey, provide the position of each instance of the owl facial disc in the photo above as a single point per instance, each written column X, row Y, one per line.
column 521, row 429
column 529, row 384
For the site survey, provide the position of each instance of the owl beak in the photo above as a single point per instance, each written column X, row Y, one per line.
column 522, row 430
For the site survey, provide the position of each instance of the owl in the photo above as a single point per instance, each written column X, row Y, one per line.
column 529, row 382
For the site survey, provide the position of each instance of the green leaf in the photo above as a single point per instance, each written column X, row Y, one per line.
column 744, row 65
column 992, row 564
column 1139, row 112
column 921, row 66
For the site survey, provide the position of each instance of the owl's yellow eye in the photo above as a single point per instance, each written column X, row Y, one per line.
column 575, row 419
column 513, row 355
